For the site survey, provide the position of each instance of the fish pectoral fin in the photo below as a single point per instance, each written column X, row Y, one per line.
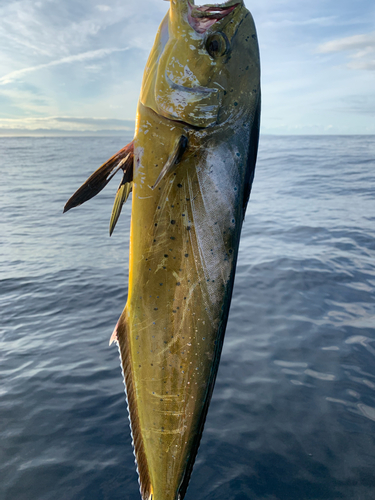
column 121, row 336
column 174, row 159
column 123, row 159
column 122, row 195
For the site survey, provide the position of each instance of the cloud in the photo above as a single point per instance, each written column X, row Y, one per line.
column 315, row 21
column 349, row 43
column 103, row 8
column 96, row 122
column 84, row 56
column 358, row 104
column 361, row 48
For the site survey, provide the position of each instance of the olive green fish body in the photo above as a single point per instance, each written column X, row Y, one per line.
column 184, row 244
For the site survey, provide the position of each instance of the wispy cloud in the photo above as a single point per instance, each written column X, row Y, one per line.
column 103, row 8
column 361, row 50
column 84, row 56
column 349, row 43
column 315, row 21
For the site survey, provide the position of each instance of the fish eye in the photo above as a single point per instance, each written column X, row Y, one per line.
column 217, row 44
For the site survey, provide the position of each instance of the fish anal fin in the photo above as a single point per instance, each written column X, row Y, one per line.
column 173, row 160
column 121, row 335
column 100, row 178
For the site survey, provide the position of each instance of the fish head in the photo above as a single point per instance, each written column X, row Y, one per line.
column 202, row 54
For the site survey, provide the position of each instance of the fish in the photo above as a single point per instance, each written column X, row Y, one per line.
column 190, row 168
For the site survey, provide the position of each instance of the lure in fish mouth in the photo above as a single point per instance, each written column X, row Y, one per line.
column 190, row 168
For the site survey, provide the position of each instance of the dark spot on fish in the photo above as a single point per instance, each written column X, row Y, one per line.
column 236, row 103
column 173, row 238
column 174, row 310
column 186, row 255
column 238, row 154
column 158, row 208
column 161, row 284
column 247, row 67
column 187, row 199
column 179, row 185
column 165, row 255
column 230, row 251
column 155, row 226
column 183, row 215
column 178, row 284
column 155, row 308
column 254, row 37
column 188, row 228
column 172, row 206
column 164, row 267
column 225, row 92
column 173, row 222
column 154, row 241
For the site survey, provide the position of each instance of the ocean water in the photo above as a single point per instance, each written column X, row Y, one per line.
column 293, row 411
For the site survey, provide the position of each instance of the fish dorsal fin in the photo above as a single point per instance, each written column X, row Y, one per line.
column 100, row 178
column 174, row 159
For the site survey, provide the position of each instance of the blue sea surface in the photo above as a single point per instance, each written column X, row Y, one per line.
column 293, row 412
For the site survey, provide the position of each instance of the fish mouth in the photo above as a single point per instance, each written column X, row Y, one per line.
column 202, row 17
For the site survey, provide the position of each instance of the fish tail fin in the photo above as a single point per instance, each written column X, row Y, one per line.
column 121, row 336
column 123, row 159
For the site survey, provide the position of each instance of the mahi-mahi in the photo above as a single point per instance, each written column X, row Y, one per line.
column 190, row 168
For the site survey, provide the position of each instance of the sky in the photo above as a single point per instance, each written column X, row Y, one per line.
column 75, row 66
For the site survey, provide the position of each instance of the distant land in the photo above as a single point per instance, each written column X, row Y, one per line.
column 54, row 126
column 44, row 132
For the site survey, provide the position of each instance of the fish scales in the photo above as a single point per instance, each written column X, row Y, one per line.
column 193, row 160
